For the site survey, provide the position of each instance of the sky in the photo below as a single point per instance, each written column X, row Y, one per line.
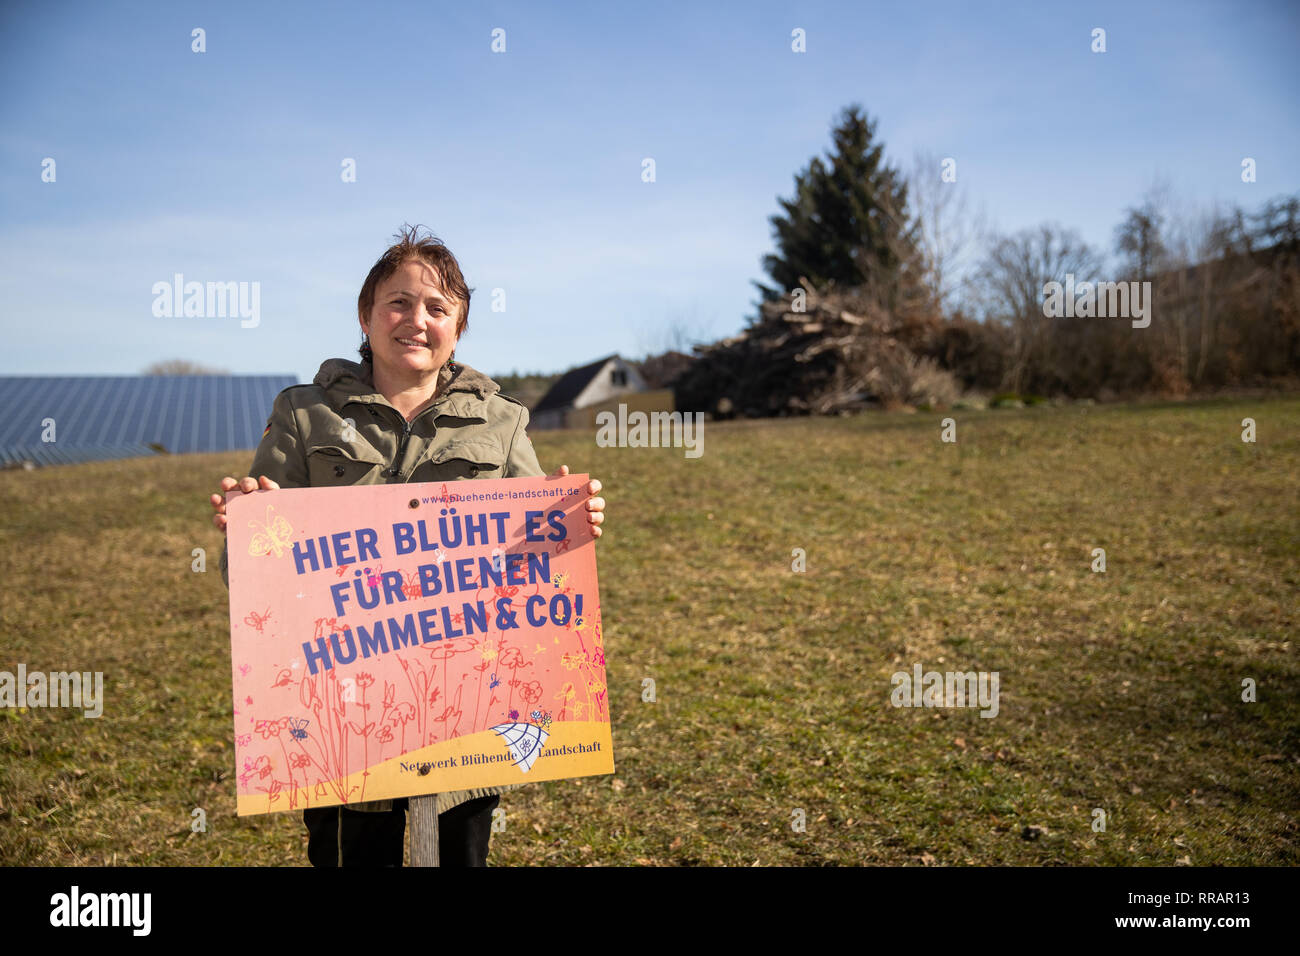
column 227, row 165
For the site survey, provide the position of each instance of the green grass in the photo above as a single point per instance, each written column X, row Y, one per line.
column 1119, row 691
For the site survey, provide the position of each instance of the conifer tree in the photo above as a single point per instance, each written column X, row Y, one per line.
column 848, row 222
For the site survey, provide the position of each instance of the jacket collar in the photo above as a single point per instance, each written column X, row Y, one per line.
column 462, row 391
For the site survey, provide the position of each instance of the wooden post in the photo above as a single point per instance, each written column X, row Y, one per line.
column 423, row 827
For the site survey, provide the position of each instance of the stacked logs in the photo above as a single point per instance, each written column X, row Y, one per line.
column 813, row 353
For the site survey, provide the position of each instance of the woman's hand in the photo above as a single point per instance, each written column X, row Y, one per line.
column 595, row 506
column 247, row 486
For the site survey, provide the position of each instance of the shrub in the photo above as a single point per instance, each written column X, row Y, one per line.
column 897, row 377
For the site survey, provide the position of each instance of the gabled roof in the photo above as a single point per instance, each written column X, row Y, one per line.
column 570, row 385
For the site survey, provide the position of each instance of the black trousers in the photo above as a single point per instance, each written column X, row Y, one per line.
column 339, row 836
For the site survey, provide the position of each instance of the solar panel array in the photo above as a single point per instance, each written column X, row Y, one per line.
column 100, row 417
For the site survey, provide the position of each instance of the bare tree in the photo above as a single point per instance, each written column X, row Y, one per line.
column 182, row 367
column 1142, row 244
column 1013, row 275
column 948, row 232
column 681, row 333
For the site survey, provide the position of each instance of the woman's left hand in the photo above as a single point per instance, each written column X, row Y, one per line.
column 595, row 506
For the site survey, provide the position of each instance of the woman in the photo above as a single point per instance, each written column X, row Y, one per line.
column 407, row 412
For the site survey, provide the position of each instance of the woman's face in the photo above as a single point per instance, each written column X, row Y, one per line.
column 412, row 325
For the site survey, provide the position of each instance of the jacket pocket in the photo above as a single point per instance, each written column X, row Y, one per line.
column 463, row 458
column 343, row 465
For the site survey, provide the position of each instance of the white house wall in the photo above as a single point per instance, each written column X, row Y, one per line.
column 601, row 388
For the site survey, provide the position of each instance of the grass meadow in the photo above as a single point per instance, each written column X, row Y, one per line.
column 1119, row 691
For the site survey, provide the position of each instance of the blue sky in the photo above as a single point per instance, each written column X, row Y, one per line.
column 225, row 165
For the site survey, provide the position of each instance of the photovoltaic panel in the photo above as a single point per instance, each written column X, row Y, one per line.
column 98, row 417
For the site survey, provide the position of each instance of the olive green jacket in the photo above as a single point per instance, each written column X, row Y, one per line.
column 340, row 431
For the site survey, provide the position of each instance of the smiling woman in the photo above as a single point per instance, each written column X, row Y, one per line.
column 407, row 412
column 411, row 327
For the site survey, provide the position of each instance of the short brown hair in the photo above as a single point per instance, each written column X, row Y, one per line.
column 410, row 246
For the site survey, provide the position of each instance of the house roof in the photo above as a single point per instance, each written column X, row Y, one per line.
column 570, row 385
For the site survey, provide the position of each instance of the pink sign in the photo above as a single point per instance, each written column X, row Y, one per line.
column 395, row 640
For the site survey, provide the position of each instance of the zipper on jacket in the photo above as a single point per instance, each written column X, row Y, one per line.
column 395, row 471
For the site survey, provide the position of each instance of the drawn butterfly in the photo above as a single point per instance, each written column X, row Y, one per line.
column 372, row 579
column 244, row 669
column 298, row 727
column 274, row 536
column 560, row 579
column 253, row 619
column 495, row 682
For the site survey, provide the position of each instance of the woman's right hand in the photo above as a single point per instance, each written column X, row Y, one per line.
column 247, row 486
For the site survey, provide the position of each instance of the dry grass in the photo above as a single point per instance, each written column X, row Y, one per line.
column 1118, row 690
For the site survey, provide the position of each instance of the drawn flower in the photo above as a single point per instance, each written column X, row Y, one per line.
column 531, row 692
column 514, row 714
column 364, row 679
column 261, row 767
column 512, row 658
column 385, row 734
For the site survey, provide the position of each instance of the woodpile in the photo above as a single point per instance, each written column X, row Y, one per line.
column 816, row 353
